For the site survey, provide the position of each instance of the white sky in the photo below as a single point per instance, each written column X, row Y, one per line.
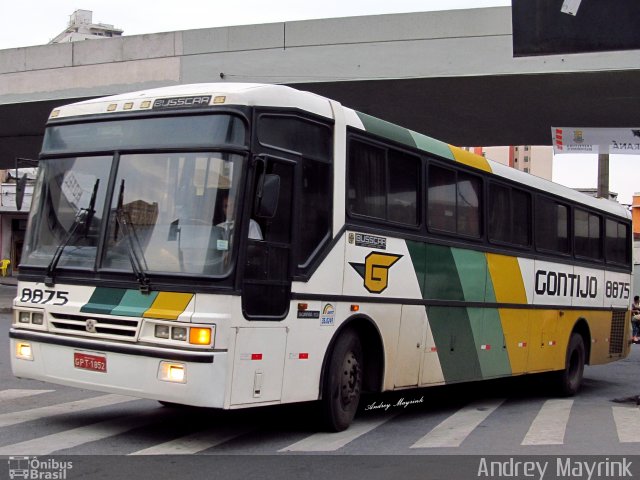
column 34, row 22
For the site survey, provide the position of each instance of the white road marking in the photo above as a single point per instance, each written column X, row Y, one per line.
column 14, row 394
column 13, row 418
column 78, row 436
column 193, row 443
column 456, row 428
column 627, row 420
column 330, row 442
column 550, row 425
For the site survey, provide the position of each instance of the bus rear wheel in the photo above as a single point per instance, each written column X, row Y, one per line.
column 568, row 380
column 342, row 382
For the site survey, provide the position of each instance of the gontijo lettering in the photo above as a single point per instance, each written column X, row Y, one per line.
column 562, row 284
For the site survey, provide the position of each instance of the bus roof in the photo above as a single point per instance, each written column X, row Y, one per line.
column 254, row 94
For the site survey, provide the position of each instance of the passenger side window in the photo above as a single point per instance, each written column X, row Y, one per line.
column 509, row 215
column 588, row 234
column 454, row 201
column 384, row 183
column 617, row 242
column 552, row 226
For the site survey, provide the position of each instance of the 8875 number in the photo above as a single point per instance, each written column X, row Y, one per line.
column 42, row 297
column 617, row 289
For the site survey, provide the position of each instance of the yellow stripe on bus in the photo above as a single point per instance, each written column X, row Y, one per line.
column 515, row 327
column 168, row 305
column 507, row 279
column 471, row 159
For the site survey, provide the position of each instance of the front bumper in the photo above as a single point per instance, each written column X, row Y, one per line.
column 131, row 369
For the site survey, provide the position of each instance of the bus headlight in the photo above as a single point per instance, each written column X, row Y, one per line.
column 24, row 317
column 162, row 331
column 178, row 333
column 183, row 334
column 37, row 318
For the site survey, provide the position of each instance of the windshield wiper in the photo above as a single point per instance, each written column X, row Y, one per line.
column 83, row 218
column 138, row 263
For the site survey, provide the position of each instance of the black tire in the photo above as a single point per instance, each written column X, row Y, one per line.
column 568, row 380
column 342, row 383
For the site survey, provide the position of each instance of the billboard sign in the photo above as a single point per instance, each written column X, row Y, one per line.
column 624, row 141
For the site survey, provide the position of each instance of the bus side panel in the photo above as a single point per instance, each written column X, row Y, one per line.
column 516, row 328
column 456, row 346
column 547, row 347
column 258, row 365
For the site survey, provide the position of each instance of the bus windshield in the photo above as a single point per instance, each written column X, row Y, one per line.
column 168, row 213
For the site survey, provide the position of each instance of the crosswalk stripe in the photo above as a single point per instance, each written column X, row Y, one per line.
column 13, row 418
column 194, row 443
column 452, row 431
column 78, row 436
column 627, row 420
column 549, row 426
column 330, row 442
column 15, row 393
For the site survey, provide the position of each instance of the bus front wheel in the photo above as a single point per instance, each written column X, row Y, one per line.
column 342, row 382
column 569, row 379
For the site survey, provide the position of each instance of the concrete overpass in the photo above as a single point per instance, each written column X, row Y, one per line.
column 451, row 75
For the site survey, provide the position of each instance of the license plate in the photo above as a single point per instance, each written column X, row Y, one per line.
column 88, row 361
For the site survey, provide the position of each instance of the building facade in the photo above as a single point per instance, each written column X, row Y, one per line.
column 534, row 159
column 81, row 27
column 13, row 220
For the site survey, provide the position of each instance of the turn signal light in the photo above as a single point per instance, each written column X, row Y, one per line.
column 199, row 336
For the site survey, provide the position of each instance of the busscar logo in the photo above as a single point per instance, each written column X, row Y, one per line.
column 375, row 270
column 181, row 102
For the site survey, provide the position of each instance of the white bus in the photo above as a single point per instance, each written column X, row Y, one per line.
column 238, row 245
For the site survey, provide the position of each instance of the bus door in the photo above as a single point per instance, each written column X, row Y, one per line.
column 266, row 285
column 266, row 288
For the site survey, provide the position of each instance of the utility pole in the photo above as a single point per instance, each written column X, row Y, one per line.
column 603, row 175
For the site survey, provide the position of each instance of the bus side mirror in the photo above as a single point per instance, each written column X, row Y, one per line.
column 174, row 231
column 267, row 196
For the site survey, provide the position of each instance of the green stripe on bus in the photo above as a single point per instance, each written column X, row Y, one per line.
column 490, row 342
column 454, row 339
column 471, row 267
column 432, row 145
column 103, row 300
column 387, row 130
column 442, row 281
column 134, row 303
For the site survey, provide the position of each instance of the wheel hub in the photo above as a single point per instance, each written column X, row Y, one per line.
column 350, row 380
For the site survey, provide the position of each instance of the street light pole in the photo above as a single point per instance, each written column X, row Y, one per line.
column 603, row 175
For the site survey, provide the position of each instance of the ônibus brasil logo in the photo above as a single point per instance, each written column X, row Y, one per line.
column 33, row 468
